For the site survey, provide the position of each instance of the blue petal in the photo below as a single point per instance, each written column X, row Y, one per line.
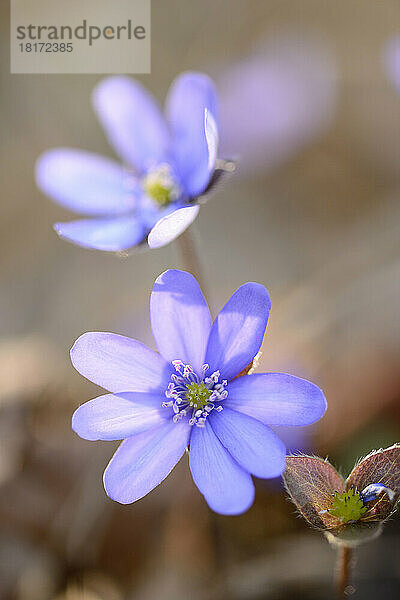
column 86, row 183
column 277, row 399
column 227, row 488
column 132, row 121
column 171, row 226
column 190, row 96
column 253, row 445
column 374, row 490
column 211, row 132
column 119, row 364
column 143, row 461
column 118, row 416
column 112, row 235
column 237, row 333
column 180, row 318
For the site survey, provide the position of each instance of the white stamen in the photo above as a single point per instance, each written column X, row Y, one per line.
column 184, row 379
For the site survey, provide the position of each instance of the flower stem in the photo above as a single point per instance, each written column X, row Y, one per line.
column 344, row 563
column 190, row 257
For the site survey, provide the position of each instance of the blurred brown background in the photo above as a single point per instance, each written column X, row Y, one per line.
column 312, row 212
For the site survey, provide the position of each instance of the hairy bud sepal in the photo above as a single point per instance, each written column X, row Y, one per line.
column 349, row 512
column 353, row 534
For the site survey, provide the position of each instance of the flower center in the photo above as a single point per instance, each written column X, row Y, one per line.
column 197, row 394
column 193, row 396
column 161, row 186
column 348, row 506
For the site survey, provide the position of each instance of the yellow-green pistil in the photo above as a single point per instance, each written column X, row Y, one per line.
column 160, row 185
column 347, row 506
column 197, row 394
column 158, row 192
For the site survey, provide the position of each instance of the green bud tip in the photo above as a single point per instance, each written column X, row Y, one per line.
column 347, row 506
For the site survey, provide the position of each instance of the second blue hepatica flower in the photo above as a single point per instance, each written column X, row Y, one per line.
column 168, row 163
column 189, row 395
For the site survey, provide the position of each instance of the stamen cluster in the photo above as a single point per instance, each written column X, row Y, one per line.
column 194, row 396
column 161, row 186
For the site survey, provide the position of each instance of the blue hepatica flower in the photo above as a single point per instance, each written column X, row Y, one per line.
column 168, row 162
column 189, row 395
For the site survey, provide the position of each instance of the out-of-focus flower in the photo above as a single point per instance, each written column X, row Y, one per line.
column 168, row 164
column 350, row 511
column 191, row 394
column 391, row 60
column 276, row 100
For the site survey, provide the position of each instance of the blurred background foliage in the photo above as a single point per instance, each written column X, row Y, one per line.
column 312, row 212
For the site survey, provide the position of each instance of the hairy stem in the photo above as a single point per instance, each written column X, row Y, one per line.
column 344, row 564
column 190, row 258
